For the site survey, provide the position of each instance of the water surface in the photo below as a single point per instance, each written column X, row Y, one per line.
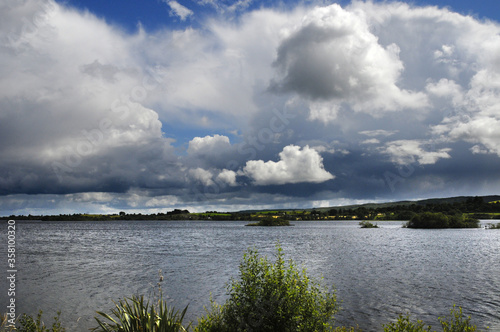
column 80, row 267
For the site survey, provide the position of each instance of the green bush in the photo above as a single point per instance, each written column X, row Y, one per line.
column 367, row 224
column 270, row 221
column 455, row 323
column 493, row 226
column 29, row 324
column 440, row 220
column 271, row 297
column 404, row 324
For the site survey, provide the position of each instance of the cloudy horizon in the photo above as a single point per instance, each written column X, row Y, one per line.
column 201, row 105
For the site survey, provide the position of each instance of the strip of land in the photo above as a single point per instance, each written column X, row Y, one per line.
column 479, row 207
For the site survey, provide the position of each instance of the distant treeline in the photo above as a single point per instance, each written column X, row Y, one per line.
column 176, row 214
column 475, row 207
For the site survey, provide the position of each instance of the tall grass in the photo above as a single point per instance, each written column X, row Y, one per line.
column 27, row 323
column 137, row 315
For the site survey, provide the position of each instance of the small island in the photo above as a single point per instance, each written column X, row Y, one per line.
column 441, row 220
column 270, row 221
column 367, row 224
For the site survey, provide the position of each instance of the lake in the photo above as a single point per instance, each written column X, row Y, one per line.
column 80, row 267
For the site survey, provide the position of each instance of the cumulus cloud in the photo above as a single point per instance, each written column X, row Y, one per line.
column 479, row 129
column 458, row 67
column 333, row 56
column 478, row 115
column 295, row 165
column 448, row 89
column 405, row 152
column 227, row 177
column 209, row 145
column 202, row 175
column 179, row 10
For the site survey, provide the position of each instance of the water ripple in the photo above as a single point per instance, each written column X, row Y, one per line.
column 80, row 267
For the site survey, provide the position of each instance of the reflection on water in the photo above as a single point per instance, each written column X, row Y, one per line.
column 80, row 267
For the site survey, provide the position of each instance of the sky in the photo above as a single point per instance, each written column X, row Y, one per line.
column 147, row 106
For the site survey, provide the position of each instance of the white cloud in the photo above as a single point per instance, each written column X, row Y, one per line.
column 202, row 175
column 227, row 177
column 209, row 145
column 222, row 7
column 458, row 67
column 332, row 55
column 480, row 129
column 378, row 132
column 476, row 114
column 90, row 197
column 323, row 111
column 448, row 89
column 476, row 149
column 405, row 152
column 162, row 201
column 179, row 10
column 208, row 76
column 295, row 165
column 371, row 141
column 323, row 148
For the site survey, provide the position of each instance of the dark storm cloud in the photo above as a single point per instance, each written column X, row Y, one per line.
column 303, row 64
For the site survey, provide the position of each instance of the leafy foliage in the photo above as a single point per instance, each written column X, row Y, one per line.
column 29, row 324
column 272, row 297
column 440, row 220
column 136, row 315
column 493, row 226
column 404, row 324
column 457, row 322
column 367, row 224
column 270, row 221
